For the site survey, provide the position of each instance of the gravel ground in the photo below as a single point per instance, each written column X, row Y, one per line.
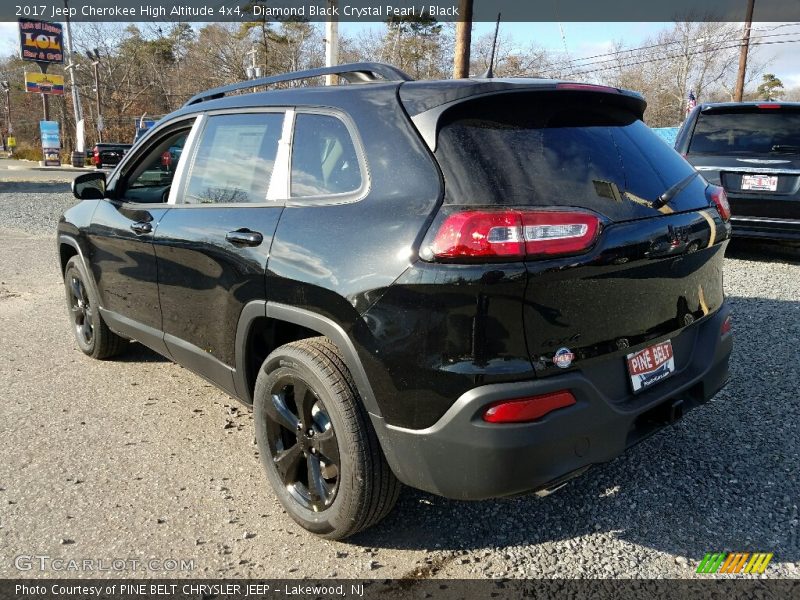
column 139, row 458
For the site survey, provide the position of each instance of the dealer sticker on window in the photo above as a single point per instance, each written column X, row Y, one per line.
column 651, row 365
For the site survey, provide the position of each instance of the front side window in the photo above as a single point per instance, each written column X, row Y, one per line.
column 151, row 179
column 324, row 159
column 235, row 159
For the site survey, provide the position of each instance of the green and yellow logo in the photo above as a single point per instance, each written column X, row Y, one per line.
column 734, row 562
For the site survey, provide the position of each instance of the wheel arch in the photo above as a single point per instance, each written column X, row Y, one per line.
column 286, row 324
column 68, row 247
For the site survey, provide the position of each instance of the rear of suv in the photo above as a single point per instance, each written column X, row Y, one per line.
column 108, row 154
column 478, row 288
column 752, row 149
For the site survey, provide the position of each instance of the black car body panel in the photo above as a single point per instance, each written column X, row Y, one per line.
column 750, row 145
column 429, row 343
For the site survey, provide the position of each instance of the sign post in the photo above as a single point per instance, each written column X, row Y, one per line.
column 42, row 42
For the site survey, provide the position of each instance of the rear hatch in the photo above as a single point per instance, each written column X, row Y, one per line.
column 612, row 265
column 753, row 151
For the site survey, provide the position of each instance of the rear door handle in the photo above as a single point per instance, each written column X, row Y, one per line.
column 244, row 237
column 142, row 227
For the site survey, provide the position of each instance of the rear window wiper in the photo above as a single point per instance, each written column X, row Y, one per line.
column 674, row 190
column 785, row 148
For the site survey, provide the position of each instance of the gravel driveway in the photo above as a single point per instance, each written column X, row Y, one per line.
column 138, row 458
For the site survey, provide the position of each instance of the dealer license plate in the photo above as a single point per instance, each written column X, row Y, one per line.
column 651, row 365
column 766, row 183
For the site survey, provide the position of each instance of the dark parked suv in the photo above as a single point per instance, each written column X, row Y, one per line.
column 752, row 149
column 479, row 288
column 108, row 154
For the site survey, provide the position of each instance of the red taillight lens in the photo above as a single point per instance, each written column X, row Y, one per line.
column 479, row 233
column 727, row 325
column 514, row 234
column 768, row 106
column 524, row 410
column 717, row 195
column 166, row 159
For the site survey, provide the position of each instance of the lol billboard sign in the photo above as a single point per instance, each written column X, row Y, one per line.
column 41, row 41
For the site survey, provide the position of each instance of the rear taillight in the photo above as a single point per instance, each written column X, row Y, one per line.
column 513, row 234
column 768, row 106
column 717, row 195
column 524, row 410
column 96, row 157
column 166, row 159
column 727, row 325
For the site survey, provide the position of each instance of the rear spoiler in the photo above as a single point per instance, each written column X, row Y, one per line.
column 426, row 104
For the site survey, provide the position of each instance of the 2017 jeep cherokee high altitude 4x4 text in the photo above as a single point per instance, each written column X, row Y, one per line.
column 478, row 288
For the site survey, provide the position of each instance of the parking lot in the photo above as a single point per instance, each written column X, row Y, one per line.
column 138, row 458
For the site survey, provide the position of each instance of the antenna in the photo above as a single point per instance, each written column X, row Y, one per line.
column 488, row 74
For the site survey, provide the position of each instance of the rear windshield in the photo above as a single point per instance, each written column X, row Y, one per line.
column 769, row 131
column 557, row 149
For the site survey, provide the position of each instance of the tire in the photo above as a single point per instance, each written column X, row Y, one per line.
column 335, row 481
column 94, row 337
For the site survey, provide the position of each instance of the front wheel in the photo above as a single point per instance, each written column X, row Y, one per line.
column 316, row 443
column 94, row 337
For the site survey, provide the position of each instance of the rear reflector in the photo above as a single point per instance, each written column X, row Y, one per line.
column 717, row 195
column 524, row 410
column 727, row 325
column 514, row 234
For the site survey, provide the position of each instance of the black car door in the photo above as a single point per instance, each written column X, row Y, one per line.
column 212, row 247
column 120, row 237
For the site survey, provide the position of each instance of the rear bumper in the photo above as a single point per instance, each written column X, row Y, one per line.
column 766, row 228
column 463, row 457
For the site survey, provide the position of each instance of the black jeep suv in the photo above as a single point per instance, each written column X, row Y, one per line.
column 752, row 149
column 478, row 288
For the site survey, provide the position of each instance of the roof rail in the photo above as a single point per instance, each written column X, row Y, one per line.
column 362, row 72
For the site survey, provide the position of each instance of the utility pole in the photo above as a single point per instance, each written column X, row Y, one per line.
column 463, row 40
column 94, row 56
column 76, row 98
column 9, row 128
column 253, row 72
column 739, row 92
column 331, row 41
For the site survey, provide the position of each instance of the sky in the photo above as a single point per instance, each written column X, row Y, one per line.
column 581, row 39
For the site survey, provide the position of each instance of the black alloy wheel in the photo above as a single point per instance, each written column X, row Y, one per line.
column 94, row 337
column 316, row 442
column 81, row 310
column 302, row 443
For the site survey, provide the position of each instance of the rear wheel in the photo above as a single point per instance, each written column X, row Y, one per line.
column 316, row 443
column 94, row 337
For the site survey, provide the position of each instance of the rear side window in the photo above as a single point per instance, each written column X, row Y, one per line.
column 557, row 149
column 768, row 131
column 324, row 159
column 235, row 159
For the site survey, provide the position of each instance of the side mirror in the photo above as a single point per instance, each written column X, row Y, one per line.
column 89, row 186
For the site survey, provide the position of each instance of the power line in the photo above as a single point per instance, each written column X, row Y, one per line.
column 722, row 38
column 678, row 55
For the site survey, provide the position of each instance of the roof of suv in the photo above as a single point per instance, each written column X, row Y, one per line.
column 417, row 96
